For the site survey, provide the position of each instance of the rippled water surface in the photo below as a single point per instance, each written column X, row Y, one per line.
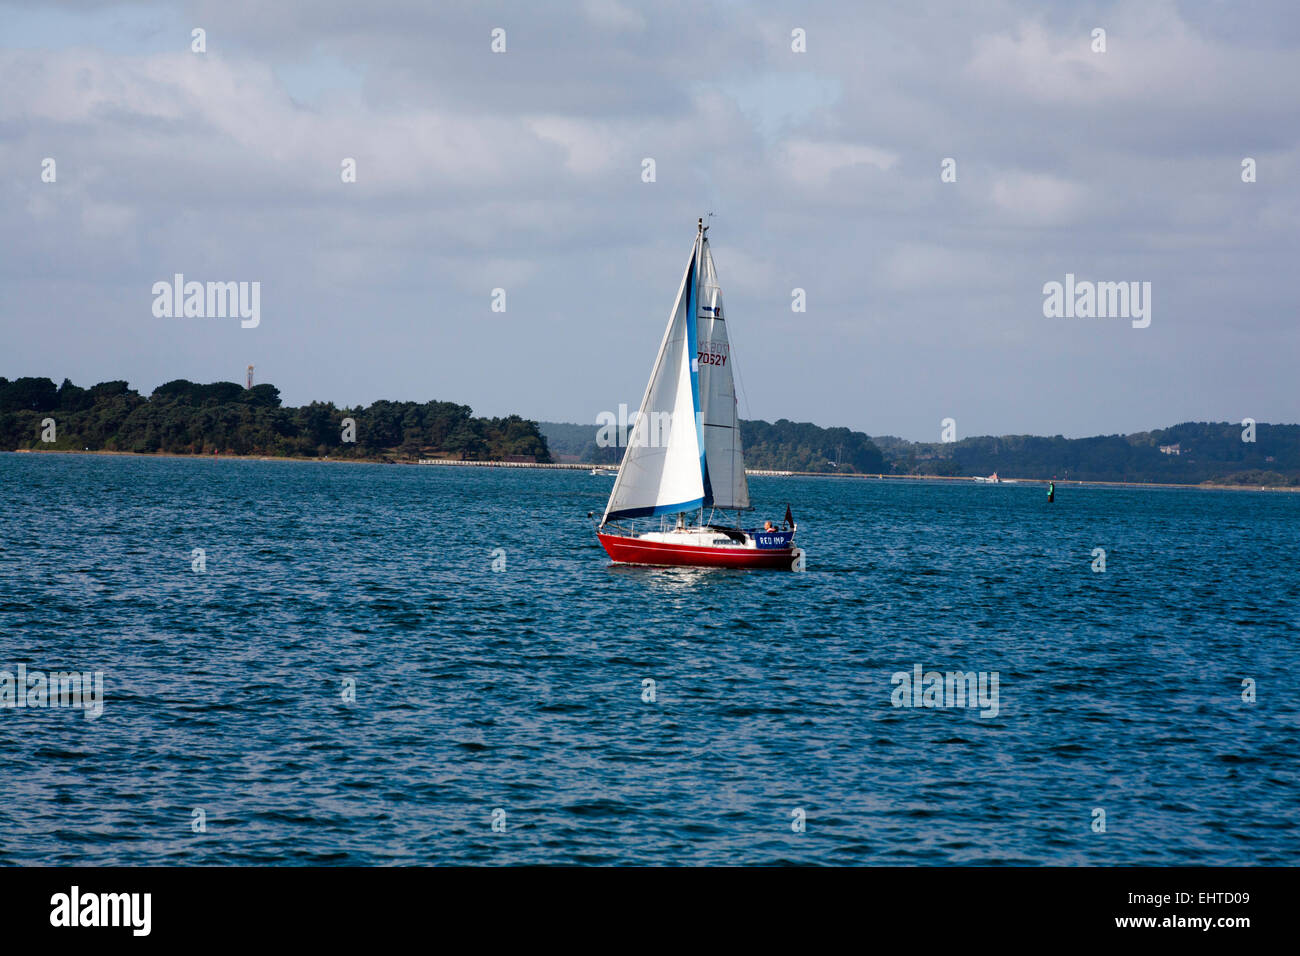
column 521, row 689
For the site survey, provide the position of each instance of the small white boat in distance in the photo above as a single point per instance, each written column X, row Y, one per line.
column 604, row 472
column 993, row 479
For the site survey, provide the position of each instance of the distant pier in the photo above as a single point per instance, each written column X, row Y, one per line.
column 569, row 466
column 504, row 464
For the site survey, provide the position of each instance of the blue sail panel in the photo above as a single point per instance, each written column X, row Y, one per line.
column 693, row 343
column 657, row 510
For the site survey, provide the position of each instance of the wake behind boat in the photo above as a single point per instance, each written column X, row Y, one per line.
column 684, row 454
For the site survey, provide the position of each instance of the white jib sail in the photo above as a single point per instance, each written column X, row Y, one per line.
column 725, row 487
column 661, row 471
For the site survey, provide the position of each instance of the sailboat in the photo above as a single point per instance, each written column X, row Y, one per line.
column 684, row 454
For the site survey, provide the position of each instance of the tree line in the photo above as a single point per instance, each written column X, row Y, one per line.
column 777, row 446
column 183, row 417
column 1195, row 453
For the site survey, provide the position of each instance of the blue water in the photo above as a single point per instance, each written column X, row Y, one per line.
column 521, row 689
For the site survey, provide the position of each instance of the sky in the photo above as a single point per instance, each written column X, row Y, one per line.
column 524, row 171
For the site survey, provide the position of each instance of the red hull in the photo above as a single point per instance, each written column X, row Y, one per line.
column 636, row 551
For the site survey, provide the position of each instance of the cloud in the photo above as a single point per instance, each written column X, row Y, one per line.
column 1038, row 199
column 816, row 164
column 613, row 15
column 522, row 170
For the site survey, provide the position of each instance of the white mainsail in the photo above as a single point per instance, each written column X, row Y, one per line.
column 684, row 451
column 724, row 483
column 661, row 471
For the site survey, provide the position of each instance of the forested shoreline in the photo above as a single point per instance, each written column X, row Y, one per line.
column 1191, row 453
column 183, row 417
column 187, row 418
column 776, row 446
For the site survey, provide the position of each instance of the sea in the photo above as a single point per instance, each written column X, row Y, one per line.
column 310, row 663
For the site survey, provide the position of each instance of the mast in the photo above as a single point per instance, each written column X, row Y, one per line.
column 722, row 461
column 701, row 229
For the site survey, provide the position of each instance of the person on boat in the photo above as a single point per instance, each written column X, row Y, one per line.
column 768, row 526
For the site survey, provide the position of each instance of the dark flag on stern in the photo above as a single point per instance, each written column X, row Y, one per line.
column 789, row 518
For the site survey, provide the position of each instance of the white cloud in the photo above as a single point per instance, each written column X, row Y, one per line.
column 478, row 170
column 613, row 15
column 1037, row 199
column 589, row 148
column 815, row 164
